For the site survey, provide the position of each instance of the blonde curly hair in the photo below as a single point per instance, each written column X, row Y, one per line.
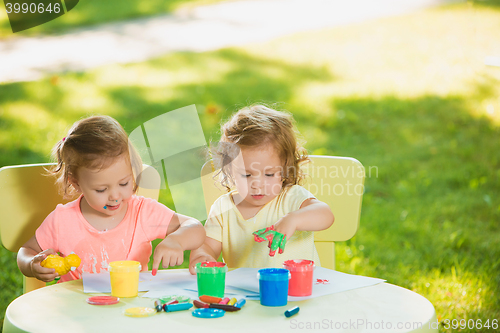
column 257, row 125
column 93, row 143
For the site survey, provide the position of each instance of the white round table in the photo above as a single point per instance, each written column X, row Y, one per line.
column 380, row 308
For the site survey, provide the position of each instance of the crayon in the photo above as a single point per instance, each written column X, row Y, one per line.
column 292, row 311
column 224, row 307
column 200, row 304
column 240, row 303
column 158, row 305
column 232, row 301
column 210, row 299
column 225, row 300
column 178, row 307
column 169, row 303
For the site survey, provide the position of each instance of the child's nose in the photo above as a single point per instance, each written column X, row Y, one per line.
column 114, row 195
column 256, row 182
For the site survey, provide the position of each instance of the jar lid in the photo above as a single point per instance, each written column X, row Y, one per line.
column 140, row 312
column 299, row 265
column 208, row 313
column 273, row 274
column 210, row 267
column 124, row 266
column 103, row 300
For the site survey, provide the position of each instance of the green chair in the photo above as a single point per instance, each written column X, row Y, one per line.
column 337, row 181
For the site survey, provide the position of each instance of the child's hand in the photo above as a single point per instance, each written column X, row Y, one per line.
column 276, row 240
column 44, row 274
column 202, row 258
column 277, row 234
column 286, row 226
column 170, row 252
column 209, row 251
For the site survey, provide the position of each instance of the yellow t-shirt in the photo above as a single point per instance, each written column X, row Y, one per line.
column 239, row 249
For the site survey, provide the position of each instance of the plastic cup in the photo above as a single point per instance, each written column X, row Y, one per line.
column 211, row 278
column 124, row 276
column 273, row 286
column 301, row 282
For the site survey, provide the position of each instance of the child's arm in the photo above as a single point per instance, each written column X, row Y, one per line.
column 313, row 215
column 30, row 256
column 209, row 251
column 184, row 233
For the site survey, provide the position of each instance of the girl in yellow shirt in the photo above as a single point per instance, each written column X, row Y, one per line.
column 259, row 157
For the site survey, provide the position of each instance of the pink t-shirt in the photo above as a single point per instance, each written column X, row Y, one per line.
column 65, row 230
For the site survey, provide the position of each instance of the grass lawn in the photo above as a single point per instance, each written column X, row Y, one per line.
column 91, row 12
column 408, row 96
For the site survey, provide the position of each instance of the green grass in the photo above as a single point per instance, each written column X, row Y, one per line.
column 408, row 96
column 92, row 12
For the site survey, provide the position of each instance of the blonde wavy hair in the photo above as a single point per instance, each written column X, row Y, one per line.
column 257, row 125
column 93, row 143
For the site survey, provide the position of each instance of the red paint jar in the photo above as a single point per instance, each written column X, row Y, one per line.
column 301, row 282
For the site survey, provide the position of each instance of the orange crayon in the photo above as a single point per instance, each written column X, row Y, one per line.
column 210, row 299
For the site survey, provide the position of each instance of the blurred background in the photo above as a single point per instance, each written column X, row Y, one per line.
column 410, row 88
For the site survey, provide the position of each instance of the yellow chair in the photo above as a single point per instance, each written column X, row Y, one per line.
column 28, row 195
column 337, row 181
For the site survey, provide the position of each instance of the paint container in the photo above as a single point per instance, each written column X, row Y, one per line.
column 273, row 286
column 124, row 276
column 301, row 282
column 211, row 278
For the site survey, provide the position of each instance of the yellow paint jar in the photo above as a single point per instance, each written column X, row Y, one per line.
column 124, row 276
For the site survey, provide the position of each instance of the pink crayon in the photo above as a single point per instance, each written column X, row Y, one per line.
column 225, row 300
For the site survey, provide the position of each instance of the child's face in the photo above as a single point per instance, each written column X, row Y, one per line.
column 106, row 190
column 257, row 174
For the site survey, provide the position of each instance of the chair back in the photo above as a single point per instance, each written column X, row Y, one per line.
column 337, row 181
column 28, row 195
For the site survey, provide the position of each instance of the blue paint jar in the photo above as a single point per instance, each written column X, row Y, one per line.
column 273, row 286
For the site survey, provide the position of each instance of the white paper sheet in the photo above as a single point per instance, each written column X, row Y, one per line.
column 325, row 281
column 241, row 282
column 169, row 291
column 100, row 282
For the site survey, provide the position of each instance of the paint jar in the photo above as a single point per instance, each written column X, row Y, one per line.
column 211, row 278
column 124, row 277
column 301, row 282
column 273, row 286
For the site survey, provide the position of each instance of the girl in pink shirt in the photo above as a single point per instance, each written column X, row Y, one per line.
column 107, row 222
